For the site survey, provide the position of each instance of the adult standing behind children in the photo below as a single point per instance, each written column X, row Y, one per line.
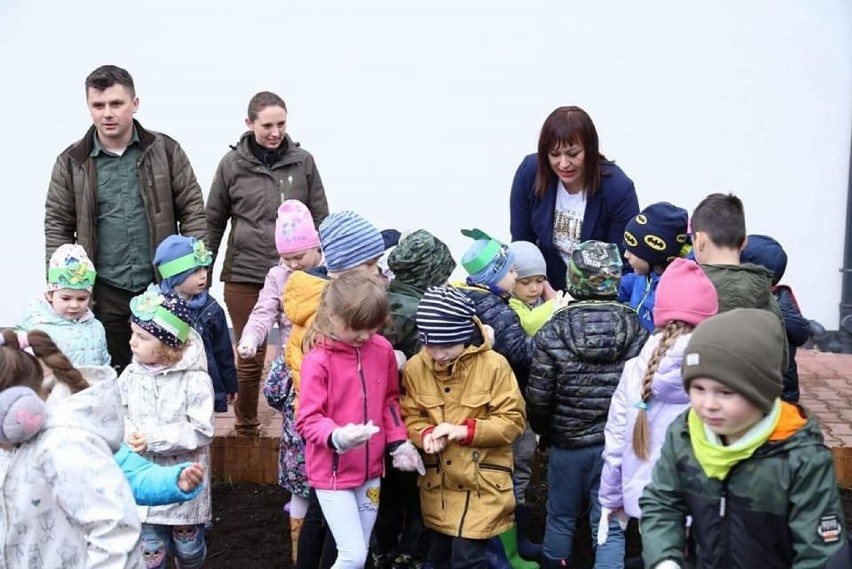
column 264, row 169
column 118, row 192
column 568, row 192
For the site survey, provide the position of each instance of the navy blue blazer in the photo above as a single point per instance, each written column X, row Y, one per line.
column 607, row 214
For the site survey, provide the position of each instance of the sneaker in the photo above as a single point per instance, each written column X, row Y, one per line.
column 403, row 561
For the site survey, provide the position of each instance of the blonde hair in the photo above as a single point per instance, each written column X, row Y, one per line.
column 641, row 430
column 169, row 355
column 357, row 299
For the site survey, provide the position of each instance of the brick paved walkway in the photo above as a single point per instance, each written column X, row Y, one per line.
column 826, row 387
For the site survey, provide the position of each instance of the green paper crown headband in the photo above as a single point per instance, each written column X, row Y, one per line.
column 148, row 307
column 484, row 257
column 200, row 257
column 74, row 275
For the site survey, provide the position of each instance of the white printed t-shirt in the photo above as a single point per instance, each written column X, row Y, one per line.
column 568, row 221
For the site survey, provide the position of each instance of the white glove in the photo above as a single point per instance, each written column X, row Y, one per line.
column 400, row 359
column 667, row 564
column 350, row 436
column 247, row 348
column 489, row 334
column 603, row 524
column 407, row 459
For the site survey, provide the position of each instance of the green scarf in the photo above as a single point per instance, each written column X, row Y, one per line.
column 715, row 458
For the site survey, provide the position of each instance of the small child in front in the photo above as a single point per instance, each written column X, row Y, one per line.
column 167, row 398
column 462, row 406
column 752, row 471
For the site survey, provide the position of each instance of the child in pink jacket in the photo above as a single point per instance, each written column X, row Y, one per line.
column 349, row 410
column 298, row 244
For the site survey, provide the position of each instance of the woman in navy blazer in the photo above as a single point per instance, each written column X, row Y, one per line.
column 569, row 161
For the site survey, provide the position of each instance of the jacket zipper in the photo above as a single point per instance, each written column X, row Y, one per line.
column 464, row 512
column 489, row 466
column 723, row 513
column 335, row 461
column 364, row 399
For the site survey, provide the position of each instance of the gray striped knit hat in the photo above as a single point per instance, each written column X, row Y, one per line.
column 349, row 240
column 445, row 317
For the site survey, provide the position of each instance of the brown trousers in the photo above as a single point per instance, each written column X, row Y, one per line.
column 240, row 299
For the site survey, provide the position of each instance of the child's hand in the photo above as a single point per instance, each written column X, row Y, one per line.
column 247, row 348
column 603, row 525
column 547, row 291
column 351, row 436
column 450, row 431
column 432, row 445
column 489, row 334
column 191, row 477
column 407, row 459
column 137, row 442
column 231, row 398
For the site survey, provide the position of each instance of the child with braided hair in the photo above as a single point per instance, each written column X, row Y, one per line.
column 650, row 394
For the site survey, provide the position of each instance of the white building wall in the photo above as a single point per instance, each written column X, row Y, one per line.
column 419, row 113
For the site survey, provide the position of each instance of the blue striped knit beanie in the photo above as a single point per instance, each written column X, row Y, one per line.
column 349, row 240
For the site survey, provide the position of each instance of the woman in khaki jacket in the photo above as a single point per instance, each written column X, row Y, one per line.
column 462, row 406
column 263, row 170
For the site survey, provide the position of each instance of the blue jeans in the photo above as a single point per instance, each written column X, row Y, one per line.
column 186, row 543
column 574, row 476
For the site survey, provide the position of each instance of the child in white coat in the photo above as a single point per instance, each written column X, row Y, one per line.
column 65, row 502
column 167, row 398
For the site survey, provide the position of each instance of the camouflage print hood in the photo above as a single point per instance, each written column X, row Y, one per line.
column 421, row 260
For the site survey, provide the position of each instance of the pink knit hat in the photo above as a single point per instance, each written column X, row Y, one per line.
column 294, row 228
column 684, row 293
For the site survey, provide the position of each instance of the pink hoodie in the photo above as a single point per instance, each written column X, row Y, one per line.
column 343, row 384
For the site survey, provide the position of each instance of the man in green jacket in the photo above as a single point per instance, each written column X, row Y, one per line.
column 118, row 192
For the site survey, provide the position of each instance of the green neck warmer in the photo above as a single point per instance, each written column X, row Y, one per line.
column 715, row 458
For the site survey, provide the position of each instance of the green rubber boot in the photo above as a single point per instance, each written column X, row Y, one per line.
column 509, row 538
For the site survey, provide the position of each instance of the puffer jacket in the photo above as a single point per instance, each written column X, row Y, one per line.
column 467, row 489
column 65, row 501
column 343, row 384
column 746, row 286
column 83, row 340
column 170, row 192
column 301, row 300
column 640, row 292
column 798, row 330
column 510, row 340
column 173, row 408
column 578, row 360
column 625, row 475
column 248, row 194
column 771, row 511
column 210, row 323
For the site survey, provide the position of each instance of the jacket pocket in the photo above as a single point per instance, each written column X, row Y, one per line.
column 477, row 400
column 495, row 476
column 431, row 406
column 432, row 479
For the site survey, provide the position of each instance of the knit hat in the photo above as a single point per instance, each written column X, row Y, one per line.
column 390, row 237
column 294, row 228
column 529, row 262
column 164, row 315
column 765, row 251
column 177, row 257
column 684, row 293
column 487, row 260
column 445, row 317
column 349, row 240
column 70, row 267
column 657, row 234
column 743, row 349
column 421, row 260
column 594, row 270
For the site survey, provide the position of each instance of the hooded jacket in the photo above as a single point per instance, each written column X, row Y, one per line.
column 173, row 408
column 170, row 192
column 640, row 292
column 579, row 356
column 624, row 474
column 66, row 502
column 248, row 193
column 210, row 323
column 467, row 488
column 775, row 509
column 83, row 340
column 344, row 384
column 269, row 309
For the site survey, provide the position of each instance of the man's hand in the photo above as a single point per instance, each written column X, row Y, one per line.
column 137, row 442
column 191, row 477
column 231, row 398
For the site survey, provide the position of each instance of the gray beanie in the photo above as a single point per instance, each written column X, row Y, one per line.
column 742, row 349
column 529, row 262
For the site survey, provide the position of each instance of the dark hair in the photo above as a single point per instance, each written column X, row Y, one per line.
column 569, row 125
column 106, row 76
column 17, row 367
column 357, row 298
column 262, row 100
column 722, row 218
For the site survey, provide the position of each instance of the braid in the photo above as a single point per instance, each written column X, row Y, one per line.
column 17, row 367
column 641, row 430
column 45, row 350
